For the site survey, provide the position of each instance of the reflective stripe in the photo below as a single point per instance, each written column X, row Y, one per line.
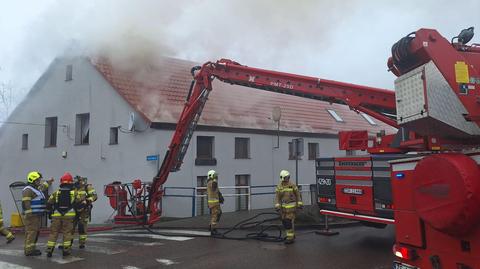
column 300, row 203
column 26, row 198
column 38, row 204
column 82, row 237
column 285, row 189
column 27, row 211
column 67, row 243
column 289, row 205
column 211, row 201
column 68, row 214
column 91, row 191
column 50, row 244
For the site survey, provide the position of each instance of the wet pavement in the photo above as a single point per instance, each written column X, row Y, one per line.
column 356, row 247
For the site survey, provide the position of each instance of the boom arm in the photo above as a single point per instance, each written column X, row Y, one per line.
column 378, row 103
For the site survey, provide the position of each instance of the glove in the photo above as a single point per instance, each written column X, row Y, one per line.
column 50, row 181
column 277, row 207
column 300, row 205
column 220, row 198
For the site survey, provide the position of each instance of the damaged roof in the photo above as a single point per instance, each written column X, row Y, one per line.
column 158, row 93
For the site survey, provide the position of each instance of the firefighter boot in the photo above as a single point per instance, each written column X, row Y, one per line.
column 213, row 231
column 49, row 252
column 66, row 252
column 34, row 252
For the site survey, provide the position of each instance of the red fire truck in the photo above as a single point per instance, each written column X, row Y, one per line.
column 435, row 195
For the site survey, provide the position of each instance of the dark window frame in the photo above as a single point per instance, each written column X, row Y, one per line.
column 242, row 199
column 69, row 72
column 51, row 132
column 24, row 141
column 205, row 151
column 82, row 122
column 313, row 154
column 242, row 148
column 113, row 136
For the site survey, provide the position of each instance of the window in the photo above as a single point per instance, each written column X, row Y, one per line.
column 335, row 115
column 69, row 73
column 241, row 202
column 202, row 205
column 51, row 132
column 368, row 118
column 25, row 141
column 205, row 149
column 113, row 136
column 312, row 151
column 292, row 153
column 82, row 129
column 242, row 148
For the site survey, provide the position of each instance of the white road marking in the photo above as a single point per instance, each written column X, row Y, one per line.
column 130, row 267
column 166, row 261
column 151, row 236
column 186, row 232
column 7, row 265
column 107, row 251
column 123, row 241
column 59, row 260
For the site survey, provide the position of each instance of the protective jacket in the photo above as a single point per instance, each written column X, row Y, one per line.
column 64, row 202
column 287, row 196
column 213, row 193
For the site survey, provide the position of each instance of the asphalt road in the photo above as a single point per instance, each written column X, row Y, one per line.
column 355, row 247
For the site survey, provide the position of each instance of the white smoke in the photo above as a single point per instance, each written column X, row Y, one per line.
column 342, row 40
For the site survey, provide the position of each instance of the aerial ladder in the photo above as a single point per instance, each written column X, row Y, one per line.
column 375, row 102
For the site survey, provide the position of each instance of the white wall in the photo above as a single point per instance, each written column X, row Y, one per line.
column 102, row 163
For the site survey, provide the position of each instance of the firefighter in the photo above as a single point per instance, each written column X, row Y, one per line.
column 214, row 198
column 287, row 200
column 4, row 231
column 83, row 217
column 33, row 205
column 63, row 204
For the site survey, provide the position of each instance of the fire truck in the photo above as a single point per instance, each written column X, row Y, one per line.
column 434, row 194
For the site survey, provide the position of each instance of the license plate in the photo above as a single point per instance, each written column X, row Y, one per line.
column 397, row 265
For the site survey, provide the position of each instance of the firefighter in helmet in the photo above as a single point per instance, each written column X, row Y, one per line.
column 287, row 200
column 33, row 205
column 84, row 190
column 63, row 204
column 214, row 198
column 4, row 231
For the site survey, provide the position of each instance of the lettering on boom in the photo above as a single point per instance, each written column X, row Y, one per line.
column 282, row 85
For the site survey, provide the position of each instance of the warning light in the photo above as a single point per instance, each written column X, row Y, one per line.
column 404, row 252
column 324, row 200
column 400, row 175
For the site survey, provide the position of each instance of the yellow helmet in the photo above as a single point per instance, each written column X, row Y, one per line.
column 33, row 176
column 212, row 174
column 284, row 175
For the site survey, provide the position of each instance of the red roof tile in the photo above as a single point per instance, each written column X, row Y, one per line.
column 158, row 93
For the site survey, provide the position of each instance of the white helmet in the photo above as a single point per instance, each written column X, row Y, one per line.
column 284, row 175
column 212, row 174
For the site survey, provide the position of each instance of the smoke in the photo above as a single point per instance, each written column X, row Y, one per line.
column 341, row 40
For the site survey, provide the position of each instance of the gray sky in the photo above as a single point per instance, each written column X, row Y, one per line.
column 346, row 40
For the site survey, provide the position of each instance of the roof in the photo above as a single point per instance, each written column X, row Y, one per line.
column 158, row 93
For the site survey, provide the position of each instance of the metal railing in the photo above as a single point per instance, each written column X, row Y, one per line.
column 255, row 197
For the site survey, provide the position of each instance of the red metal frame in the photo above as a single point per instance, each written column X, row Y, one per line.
column 369, row 100
column 433, row 247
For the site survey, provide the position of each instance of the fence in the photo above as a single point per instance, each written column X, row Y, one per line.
column 236, row 197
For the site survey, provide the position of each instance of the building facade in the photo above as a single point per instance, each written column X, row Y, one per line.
column 86, row 117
